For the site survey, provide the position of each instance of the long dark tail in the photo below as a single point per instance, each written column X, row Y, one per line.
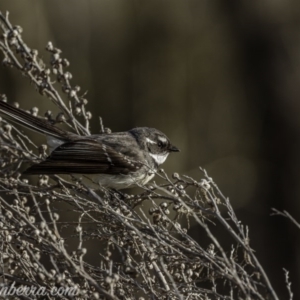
column 37, row 124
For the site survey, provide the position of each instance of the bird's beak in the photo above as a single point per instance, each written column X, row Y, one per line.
column 173, row 149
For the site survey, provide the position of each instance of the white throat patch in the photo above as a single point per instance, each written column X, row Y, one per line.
column 159, row 158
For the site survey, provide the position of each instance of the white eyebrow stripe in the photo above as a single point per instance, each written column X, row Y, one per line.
column 150, row 141
column 162, row 139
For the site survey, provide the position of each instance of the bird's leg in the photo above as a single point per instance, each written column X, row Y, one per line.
column 116, row 193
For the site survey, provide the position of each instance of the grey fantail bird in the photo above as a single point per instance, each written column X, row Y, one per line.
column 119, row 159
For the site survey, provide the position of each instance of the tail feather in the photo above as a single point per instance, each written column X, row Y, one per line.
column 37, row 124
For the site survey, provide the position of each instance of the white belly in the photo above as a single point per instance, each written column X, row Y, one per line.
column 122, row 181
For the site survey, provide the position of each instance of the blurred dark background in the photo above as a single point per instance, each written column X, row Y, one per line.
column 220, row 78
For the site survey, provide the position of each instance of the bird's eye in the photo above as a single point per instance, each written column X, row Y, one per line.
column 160, row 144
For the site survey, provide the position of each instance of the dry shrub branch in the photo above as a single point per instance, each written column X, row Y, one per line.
column 140, row 254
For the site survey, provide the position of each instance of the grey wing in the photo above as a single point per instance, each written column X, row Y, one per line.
column 122, row 142
column 87, row 156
